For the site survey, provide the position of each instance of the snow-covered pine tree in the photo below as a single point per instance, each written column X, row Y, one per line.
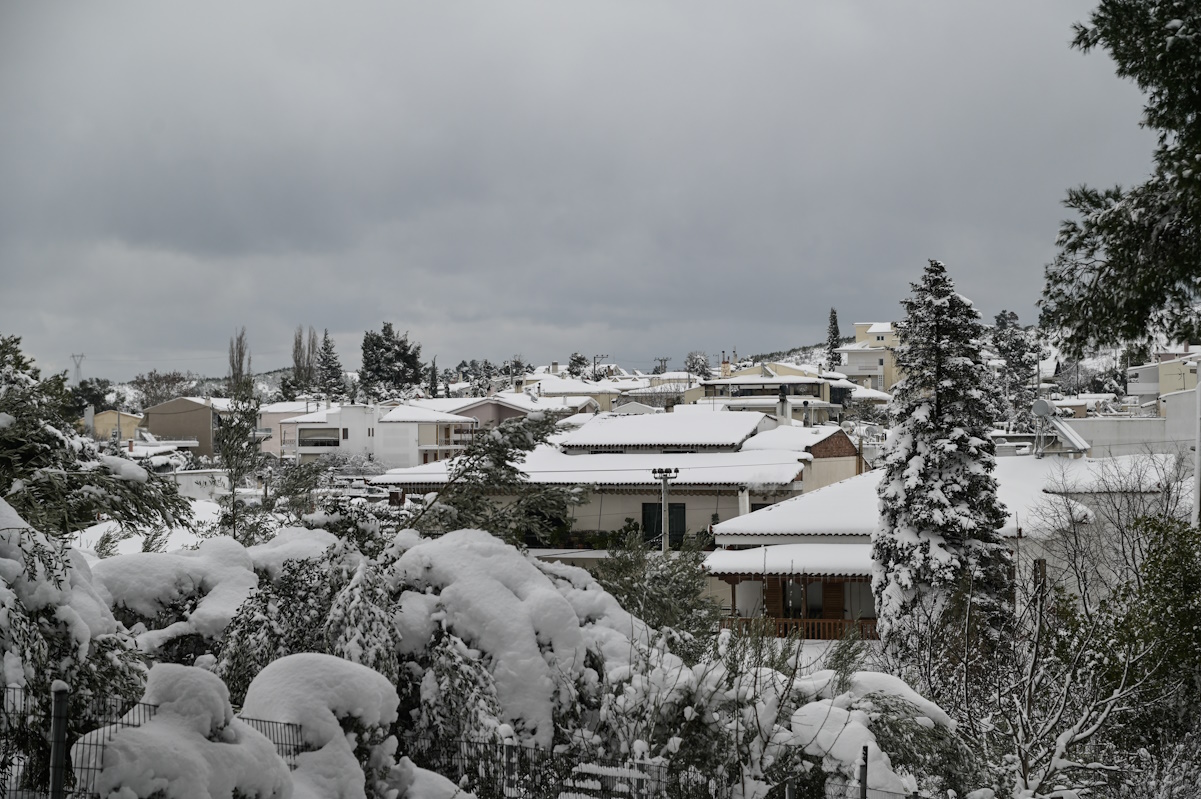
column 576, row 365
column 59, row 481
column 833, row 342
column 1020, row 351
column 359, row 625
column 697, row 363
column 390, row 363
column 939, row 512
column 330, row 379
column 235, row 442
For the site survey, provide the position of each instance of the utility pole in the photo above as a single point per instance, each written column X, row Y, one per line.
column 595, row 360
column 664, row 475
column 1196, row 515
column 662, row 364
column 78, row 361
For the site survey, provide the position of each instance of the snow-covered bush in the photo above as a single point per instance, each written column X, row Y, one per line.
column 345, row 712
column 191, row 748
column 54, row 625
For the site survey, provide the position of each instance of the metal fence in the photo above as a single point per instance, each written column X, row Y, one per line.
column 53, row 746
column 504, row 771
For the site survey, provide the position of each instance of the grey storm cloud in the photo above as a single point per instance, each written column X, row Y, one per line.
column 634, row 178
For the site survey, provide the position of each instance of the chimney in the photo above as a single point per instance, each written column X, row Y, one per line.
column 783, row 409
column 725, row 365
column 554, row 367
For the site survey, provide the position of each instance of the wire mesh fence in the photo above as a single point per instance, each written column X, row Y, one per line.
column 504, row 771
column 37, row 732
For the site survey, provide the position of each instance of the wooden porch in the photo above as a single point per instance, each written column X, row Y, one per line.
column 817, row 607
column 809, row 629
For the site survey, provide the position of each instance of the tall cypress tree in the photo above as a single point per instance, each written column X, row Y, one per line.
column 833, row 342
column 939, row 512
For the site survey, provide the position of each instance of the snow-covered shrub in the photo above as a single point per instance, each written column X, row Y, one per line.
column 191, row 748
column 359, row 626
column 54, row 625
column 345, row 712
column 368, row 526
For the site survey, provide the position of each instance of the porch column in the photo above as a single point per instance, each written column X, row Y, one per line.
column 734, row 598
column 744, row 501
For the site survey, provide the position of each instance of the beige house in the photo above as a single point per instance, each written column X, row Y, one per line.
column 871, row 360
column 112, row 425
column 186, row 418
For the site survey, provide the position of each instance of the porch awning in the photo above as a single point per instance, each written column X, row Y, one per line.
column 816, row 559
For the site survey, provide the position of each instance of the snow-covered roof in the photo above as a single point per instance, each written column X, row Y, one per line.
column 551, row 384
column 533, row 402
column 293, row 406
column 546, row 464
column 860, row 345
column 760, row 380
column 665, row 430
column 842, row 560
column 219, row 404
column 795, row 438
column 316, row 417
column 414, row 413
column 870, row 394
column 851, row 507
column 880, row 327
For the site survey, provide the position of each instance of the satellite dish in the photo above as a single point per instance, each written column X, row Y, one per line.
column 1043, row 409
column 847, row 427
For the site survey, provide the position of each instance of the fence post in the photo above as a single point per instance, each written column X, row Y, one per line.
column 790, row 789
column 863, row 775
column 58, row 739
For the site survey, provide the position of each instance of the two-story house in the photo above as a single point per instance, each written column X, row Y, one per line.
column 871, row 361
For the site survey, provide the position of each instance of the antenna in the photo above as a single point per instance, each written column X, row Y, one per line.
column 78, row 361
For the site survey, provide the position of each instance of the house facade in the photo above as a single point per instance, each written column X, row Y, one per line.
column 871, row 361
column 186, row 418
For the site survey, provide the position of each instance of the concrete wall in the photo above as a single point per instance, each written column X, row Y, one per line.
column 1125, row 435
column 396, row 444
column 824, row 471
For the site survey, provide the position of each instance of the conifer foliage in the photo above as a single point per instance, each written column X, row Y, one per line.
column 939, row 513
column 391, row 365
column 330, row 379
column 833, row 342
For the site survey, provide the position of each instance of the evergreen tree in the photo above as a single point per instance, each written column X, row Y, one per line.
column 576, row 365
column 391, row 365
column 330, row 379
column 154, row 388
column 833, row 342
column 433, row 384
column 359, row 625
column 59, row 481
column 1018, row 376
column 939, row 513
column 1128, row 265
column 697, row 363
column 303, row 378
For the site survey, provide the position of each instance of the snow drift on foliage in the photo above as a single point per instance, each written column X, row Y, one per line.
column 535, row 631
column 344, row 711
column 218, row 576
column 192, row 748
column 59, row 581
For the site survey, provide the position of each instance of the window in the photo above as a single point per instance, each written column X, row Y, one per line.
column 652, row 521
column 881, row 361
column 879, row 338
column 345, row 433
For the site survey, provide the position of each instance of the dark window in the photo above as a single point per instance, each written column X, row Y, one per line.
column 652, row 521
column 345, row 433
column 759, row 506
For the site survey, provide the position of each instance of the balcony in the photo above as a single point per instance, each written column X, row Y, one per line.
column 318, row 442
column 809, row 629
column 1140, row 389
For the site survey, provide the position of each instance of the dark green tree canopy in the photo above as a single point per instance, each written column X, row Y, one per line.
column 58, row 480
column 391, row 364
column 1129, row 263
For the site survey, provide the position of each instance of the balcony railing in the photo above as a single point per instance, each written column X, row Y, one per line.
column 810, row 629
column 318, row 442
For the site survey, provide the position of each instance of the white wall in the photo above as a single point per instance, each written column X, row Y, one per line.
column 396, row 444
column 1126, row 435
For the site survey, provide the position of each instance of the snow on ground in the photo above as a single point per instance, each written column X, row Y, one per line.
column 204, row 512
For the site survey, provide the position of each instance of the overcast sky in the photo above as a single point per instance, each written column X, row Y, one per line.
column 628, row 178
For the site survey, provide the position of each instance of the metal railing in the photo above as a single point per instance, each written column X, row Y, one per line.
column 54, row 746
